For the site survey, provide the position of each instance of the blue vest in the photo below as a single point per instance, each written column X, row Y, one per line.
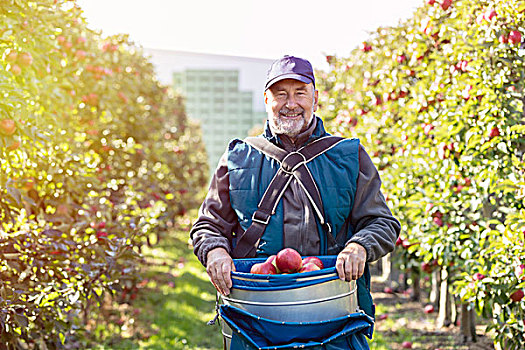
column 335, row 173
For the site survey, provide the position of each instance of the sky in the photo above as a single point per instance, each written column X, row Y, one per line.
column 263, row 29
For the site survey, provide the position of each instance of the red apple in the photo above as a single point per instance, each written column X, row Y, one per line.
column 388, row 290
column 80, row 54
column 503, row 38
column 25, row 59
column 426, row 267
column 7, row 127
column 365, row 47
column 399, row 241
column 383, row 317
column 406, row 345
column 490, row 14
column 517, row 295
column 265, row 268
column 101, row 234
column 478, row 276
column 494, row 132
column 309, row 267
column 431, row 2
column 288, row 260
column 446, row 4
column 515, row 37
column 429, row 309
column 427, row 128
column 271, row 259
column 11, row 56
column 315, row 260
column 16, row 70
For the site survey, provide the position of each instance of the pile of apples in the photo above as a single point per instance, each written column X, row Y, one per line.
column 288, row 260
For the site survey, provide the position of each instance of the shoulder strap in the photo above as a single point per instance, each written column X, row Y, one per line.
column 265, row 146
column 293, row 164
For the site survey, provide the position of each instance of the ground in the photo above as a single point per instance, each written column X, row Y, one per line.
column 406, row 321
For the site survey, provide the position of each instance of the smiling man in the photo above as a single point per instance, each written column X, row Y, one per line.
column 329, row 201
column 290, row 105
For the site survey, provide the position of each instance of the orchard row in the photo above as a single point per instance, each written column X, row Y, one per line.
column 438, row 103
column 96, row 157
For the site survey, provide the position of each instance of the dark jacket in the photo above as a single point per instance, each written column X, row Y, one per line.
column 373, row 224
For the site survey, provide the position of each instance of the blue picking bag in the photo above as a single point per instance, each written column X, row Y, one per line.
column 244, row 280
column 253, row 332
column 325, row 327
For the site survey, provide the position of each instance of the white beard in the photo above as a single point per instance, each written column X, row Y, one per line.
column 288, row 127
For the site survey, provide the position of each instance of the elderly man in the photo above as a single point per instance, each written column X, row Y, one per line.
column 329, row 202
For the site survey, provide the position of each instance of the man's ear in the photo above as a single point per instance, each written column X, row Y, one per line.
column 266, row 100
column 316, row 99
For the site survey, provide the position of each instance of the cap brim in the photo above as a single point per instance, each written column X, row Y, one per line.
column 294, row 76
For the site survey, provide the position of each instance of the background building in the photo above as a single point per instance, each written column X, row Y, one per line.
column 225, row 93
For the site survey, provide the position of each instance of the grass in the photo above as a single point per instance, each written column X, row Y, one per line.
column 174, row 303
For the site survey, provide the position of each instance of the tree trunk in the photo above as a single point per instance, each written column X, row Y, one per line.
column 436, row 283
column 390, row 273
column 467, row 328
column 386, row 264
column 416, row 285
column 445, row 307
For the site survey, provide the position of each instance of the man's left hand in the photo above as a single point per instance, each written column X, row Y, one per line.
column 350, row 264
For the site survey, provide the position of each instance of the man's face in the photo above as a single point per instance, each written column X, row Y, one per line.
column 290, row 105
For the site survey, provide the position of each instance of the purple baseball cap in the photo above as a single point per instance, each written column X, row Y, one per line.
column 290, row 67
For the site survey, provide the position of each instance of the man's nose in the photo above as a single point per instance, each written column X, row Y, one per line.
column 291, row 103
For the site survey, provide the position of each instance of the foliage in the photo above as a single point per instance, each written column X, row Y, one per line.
column 438, row 103
column 95, row 156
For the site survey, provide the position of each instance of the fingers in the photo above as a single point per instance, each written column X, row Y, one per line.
column 220, row 276
column 349, row 270
column 350, row 264
column 219, row 269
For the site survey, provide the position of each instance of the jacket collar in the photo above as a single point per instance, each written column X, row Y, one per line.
column 309, row 135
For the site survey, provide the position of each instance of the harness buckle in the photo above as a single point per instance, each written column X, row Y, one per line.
column 264, row 220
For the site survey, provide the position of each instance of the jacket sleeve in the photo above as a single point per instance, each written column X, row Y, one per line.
column 375, row 228
column 216, row 219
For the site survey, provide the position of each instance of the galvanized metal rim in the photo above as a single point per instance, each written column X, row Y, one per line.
column 289, row 303
column 300, row 279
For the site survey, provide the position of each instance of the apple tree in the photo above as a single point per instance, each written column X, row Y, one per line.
column 96, row 156
column 438, row 103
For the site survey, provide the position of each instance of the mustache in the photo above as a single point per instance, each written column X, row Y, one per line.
column 285, row 110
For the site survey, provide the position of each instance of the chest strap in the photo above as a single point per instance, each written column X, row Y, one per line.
column 292, row 165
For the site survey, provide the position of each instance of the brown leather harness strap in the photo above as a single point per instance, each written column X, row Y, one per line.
column 293, row 165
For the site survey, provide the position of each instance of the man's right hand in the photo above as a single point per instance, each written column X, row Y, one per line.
column 219, row 267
